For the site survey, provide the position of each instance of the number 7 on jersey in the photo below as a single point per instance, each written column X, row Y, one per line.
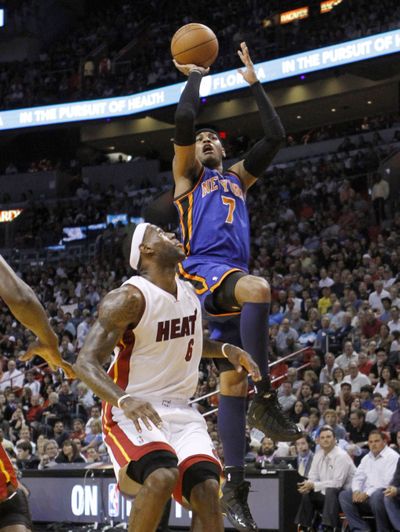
column 231, row 203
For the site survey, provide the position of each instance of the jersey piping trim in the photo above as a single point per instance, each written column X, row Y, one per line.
column 181, row 196
column 194, row 279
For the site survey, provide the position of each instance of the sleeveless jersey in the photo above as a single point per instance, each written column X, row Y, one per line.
column 214, row 221
column 160, row 357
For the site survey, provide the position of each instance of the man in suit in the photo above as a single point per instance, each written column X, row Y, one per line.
column 304, row 455
column 331, row 470
column 391, row 499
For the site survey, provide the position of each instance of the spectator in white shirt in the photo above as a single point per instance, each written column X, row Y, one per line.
column 348, row 356
column 83, row 328
column 372, row 476
column 13, row 377
column 287, row 399
column 32, row 383
column 356, row 378
column 325, row 281
column 379, row 416
column 326, row 374
column 379, row 194
column 394, row 322
column 331, row 471
column 375, row 298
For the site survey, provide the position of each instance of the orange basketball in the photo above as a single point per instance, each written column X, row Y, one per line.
column 194, row 44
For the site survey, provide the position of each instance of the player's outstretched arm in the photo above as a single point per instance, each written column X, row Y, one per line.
column 118, row 310
column 186, row 167
column 26, row 307
column 237, row 357
column 260, row 156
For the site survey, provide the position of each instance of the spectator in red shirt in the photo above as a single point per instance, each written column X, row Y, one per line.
column 371, row 326
column 364, row 363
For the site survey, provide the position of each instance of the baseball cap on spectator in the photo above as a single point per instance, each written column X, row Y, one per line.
column 11, row 339
column 366, row 256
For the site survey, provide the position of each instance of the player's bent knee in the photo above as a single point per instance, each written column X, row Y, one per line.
column 162, row 480
column 140, row 470
column 201, row 480
column 252, row 289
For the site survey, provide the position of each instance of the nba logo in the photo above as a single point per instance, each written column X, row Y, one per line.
column 113, row 500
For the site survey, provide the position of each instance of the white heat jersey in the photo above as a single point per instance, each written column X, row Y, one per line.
column 160, row 357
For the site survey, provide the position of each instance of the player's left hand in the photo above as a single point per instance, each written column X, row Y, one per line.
column 51, row 355
column 249, row 74
column 240, row 359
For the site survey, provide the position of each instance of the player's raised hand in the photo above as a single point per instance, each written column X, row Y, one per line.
column 186, row 69
column 249, row 74
column 52, row 355
column 140, row 410
column 240, row 359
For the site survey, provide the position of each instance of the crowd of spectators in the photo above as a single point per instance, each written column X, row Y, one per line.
column 86, row 62
column 333, row 263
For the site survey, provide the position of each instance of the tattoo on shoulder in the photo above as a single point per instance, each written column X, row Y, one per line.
column 122, row 307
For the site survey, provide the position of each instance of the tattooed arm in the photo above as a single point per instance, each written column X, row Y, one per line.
column 119, row 309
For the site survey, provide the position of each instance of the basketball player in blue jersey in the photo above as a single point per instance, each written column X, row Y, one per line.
column 216, row 236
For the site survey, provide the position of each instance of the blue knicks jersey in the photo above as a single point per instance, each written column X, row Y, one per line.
column 214, row 221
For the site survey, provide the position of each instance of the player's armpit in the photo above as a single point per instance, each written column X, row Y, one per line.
column 121, row 307
column 186, row 168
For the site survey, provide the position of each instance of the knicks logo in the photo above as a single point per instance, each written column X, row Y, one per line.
column 177, row 328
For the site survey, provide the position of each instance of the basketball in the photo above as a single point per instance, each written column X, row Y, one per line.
column 194, row 44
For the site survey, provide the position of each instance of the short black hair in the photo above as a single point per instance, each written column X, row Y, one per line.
column 208, row 129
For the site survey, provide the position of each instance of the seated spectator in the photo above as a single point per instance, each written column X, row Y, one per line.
column 95, row 438
column 69, row 454
column 359, row 429
column 92, row 455
column 392, row 499
column 303, row 447
column 12, row 378
column 387, row 374
column 338, row 376
column 371, row 326
column 299, row 411
column 331, row 471
column 287, row 397
column 364, row 363
column 355, row 378
column 324, row 332
column 50, row 452
column 381, row 360
column 78, row 430
column 384, row 338
column 330, row 418
column 394, row 350
column 394, row 322
column 306, row 396
column 345, row 398
column 394, row 423
column 379, row 416
column 307, row 335
column 313, row 423
column 286, row 339
column 372, row 476
column 32, row 383
column 375, row 299
column 95, row 413
column 328, row 391
column 54, row 410
column 348, row 355
column 59, row 434
column 267, row 452
column 25, row 457
column 366, row 402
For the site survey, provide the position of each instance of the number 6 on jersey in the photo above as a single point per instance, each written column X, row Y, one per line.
column 231, row 203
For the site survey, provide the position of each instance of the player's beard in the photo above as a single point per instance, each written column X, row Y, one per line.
column 211, row 160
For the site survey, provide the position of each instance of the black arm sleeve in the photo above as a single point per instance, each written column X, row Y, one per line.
column 259, row 157
column 186, row 111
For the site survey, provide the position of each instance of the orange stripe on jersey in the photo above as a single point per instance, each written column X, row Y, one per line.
column 181, row 196
column 190, row 221
column 182, row 223
column 224, row 276
column 195, row 279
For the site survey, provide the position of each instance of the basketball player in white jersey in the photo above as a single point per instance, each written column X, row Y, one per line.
column 158, row 444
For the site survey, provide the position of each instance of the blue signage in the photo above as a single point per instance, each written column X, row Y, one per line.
column 277, row 69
